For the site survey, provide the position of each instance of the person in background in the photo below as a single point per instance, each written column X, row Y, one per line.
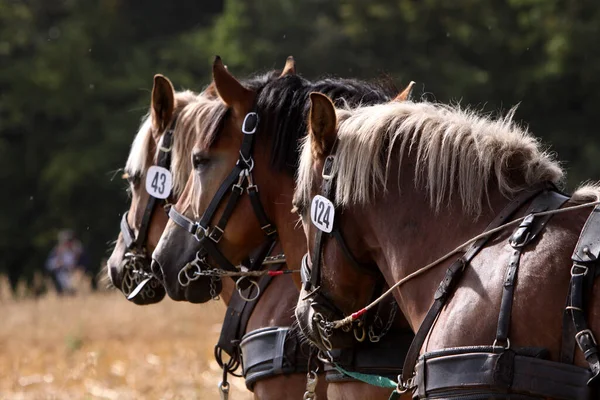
column 63, row 260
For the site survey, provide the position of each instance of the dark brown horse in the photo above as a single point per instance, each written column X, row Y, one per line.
column 411, row 182
column 236, row 223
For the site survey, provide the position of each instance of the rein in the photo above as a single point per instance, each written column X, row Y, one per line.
column 349, row 319
column 137, row 266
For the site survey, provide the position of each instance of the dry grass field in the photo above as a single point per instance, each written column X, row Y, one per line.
column 99, row 346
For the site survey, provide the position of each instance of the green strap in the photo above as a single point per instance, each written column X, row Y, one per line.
column 374, row 380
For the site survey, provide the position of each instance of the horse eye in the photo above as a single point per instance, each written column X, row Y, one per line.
column 198, row 161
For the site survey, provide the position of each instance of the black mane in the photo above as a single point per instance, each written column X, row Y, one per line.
column 283, row 105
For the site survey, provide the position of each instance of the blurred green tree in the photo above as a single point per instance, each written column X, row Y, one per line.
column 75, row 79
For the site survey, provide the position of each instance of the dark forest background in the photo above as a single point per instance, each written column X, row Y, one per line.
column 75, row 79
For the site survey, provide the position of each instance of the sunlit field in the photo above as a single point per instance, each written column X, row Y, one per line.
column 99, row 346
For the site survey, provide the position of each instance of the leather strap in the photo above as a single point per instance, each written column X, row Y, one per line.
column 326, row 189
column 238, row 314
column 164, row 160
column 225, row 188
column 453, row 274
column 128, row 234
column 527, row 231
column 583, row 273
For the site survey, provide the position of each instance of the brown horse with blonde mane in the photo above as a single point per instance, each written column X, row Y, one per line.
column 175, row 115
column 408, row 185
column 240, row 193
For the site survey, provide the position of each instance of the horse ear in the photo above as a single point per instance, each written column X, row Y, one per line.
column 290, row 67
column 322, row 124
column 229, row 89
column 163, row 102
column 211, row 91
column 405, row 94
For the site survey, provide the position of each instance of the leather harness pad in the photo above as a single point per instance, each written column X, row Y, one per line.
column 272, row 351
column 467, row 371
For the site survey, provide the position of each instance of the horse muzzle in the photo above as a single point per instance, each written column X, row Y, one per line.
column 314, row 322
column 137, row 283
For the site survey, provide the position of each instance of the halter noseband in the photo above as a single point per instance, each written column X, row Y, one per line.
column 137, row 268
column 240, row 179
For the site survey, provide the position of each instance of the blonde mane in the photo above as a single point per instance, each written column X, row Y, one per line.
column 455, row 152
column 187, row 108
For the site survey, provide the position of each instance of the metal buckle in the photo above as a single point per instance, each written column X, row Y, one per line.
column 581, row 333
column 199, row 229
column 251, row 185
column 245, row 131
column 216, row 234
column 324, row 174
column 268, row 229
column 506, row 347
column 584, row 273
column 402, row 386
column 248, row 161
column 252, row 283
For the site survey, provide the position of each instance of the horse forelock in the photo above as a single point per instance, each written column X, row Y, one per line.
column 456, row 152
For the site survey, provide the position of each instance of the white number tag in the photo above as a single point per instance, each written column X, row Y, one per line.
column 159, row 182
column 322, row 213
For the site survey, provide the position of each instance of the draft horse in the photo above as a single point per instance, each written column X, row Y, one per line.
column 511, row 314
column 274, row 361
column 240, row 193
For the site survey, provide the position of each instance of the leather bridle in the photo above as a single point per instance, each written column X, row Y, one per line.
column 238, row 181
column 137, row 273
column 311, row 274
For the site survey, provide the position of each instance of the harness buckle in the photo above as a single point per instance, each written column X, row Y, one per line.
column 575, row 272
column 251, row 185
column 250, row 123
column 269, row 229
column 579, row 339
column 506, row 345
column 216, row 234
column 199, row 231
column 404, row 386
column 522, row 234
column 249, row 162
column 327, row 167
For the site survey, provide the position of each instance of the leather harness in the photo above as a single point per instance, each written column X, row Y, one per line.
column 477, row 372
column 234, row 184
column 136, row 254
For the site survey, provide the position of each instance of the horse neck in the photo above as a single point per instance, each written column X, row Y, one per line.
column 414, row 235
column 277, row 192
